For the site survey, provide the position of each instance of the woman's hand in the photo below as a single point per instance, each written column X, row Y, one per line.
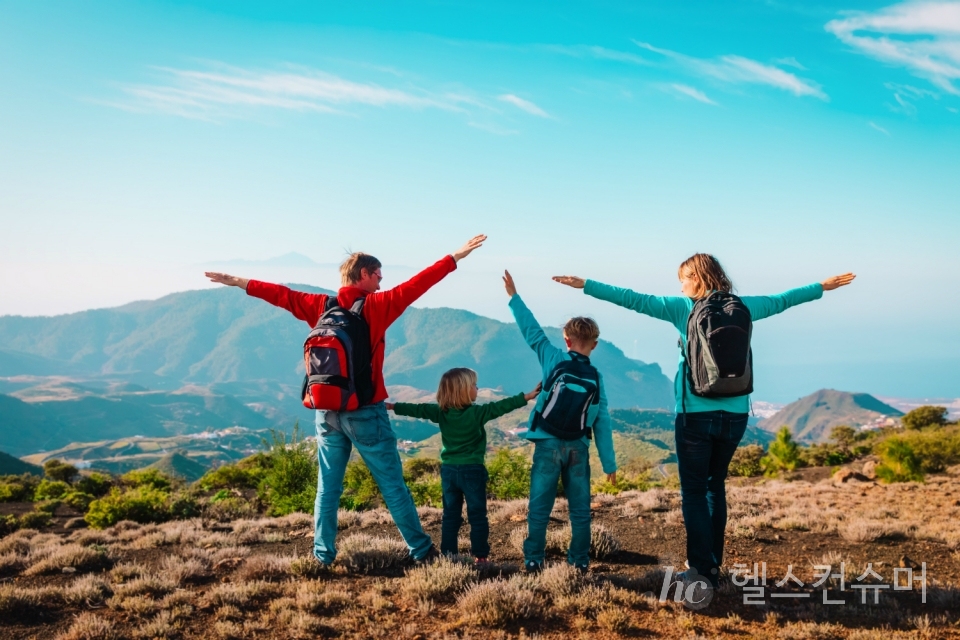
column 612, row 478
column 227, row 279
column 533, row 394
column 389, row 406
column 570, row 281
column 837, row 281
column 473, row 243
column 508, row 284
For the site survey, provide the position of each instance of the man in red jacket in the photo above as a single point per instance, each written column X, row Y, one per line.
column 368, row 428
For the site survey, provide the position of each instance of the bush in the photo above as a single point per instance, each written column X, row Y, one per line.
column 360, row 491
column 96, row 484
column 746, row 461
column 824, row 455
column 141, row 504
column 625, row 482
column 8, row 524
column 925, row 416
column 34, row 520
column 898, row 461
column 935, row 449
column 290, row 482
column 51, row 490
column 18, row 488
column 59, row 471
column 782, row 455
column 246, row 474
column 509, row 475
column 149, row 478
column 422, row 476
column 78, row 500
column 844, row 436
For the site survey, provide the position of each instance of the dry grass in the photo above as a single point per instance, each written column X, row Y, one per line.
column 52, row 560
column 362, row 553
column 147, row 585
column 265, row 567
column 497, row 602
column 442, row 578
column 315, row 597
column 240, row 594
column 89, row 626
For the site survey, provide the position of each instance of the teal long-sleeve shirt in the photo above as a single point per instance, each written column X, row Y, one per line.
column 550, row 356
column 676, row 310
column 462, row 431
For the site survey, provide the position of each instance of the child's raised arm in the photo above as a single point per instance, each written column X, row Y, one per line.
column 424, row 411
column 532, row 332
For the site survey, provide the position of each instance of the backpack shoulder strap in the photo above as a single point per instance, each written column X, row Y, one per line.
column 357, row 306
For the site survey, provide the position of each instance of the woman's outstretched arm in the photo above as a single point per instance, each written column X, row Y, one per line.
column 673, row 309
column 765, row 306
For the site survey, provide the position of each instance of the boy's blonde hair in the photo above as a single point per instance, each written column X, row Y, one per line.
column 709, row 272
column 581, row 330
column 455, row 388
column 350, row 268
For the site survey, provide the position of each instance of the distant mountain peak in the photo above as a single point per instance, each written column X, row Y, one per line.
column 812, row 417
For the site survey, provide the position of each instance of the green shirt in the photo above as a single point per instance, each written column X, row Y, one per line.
column 461, row 430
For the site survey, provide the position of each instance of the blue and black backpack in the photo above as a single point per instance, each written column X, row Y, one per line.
column 573, row 400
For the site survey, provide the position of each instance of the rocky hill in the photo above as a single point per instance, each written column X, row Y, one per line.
column 812, row 417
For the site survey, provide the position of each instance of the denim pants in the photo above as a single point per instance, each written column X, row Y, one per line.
column 555, row 459
column 706, row 441
column 465, row 482
column 368, row 429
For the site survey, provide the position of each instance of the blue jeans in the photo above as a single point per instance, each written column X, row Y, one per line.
column 554, row 459
column 368, row 429
column 705, row 446
column 465, row 482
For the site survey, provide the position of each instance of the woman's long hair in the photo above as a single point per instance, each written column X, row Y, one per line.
column 709, row 272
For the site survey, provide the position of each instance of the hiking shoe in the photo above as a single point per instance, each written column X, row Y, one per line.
column 582, row 569
column 431, row 556
column 532, row 567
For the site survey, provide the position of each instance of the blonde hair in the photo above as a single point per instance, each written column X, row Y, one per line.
column 581, row 330
column 455, row 389
column 709, row 272
column 351, row 267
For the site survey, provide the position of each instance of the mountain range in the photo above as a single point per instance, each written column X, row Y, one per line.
column 811, row 418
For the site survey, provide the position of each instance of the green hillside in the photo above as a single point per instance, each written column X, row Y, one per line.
column 10, row 466
column 177, row 465
column 812, row 417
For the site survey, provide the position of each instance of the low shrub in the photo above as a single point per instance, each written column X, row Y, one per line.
column 245, row 474
column 360, row 491
column 422, row 476
column 59, row 471
column 925, row 416
column 140, row 504
column 935, row 449
column 290, row 482
column 746, row 461
column 824, row 455
column 94, row 484
column 495, row 603
column 442, row 578
column 149, row 478
column 625, row 482
column 18, row 488
column 783, row 454
column 366, row 554
column 509, row 475
column 78, row 500
column 899, row 463
column 51, row 489
column 34, row 520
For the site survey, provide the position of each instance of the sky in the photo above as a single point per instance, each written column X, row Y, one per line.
column 143, row 142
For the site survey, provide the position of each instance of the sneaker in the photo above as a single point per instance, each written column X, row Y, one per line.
column 532, row 567
column 582, row 569
column 431, row 556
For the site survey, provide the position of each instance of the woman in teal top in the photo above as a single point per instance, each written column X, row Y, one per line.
column 708, row 430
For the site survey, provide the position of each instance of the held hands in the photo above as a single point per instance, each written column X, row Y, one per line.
column 570, row 281
column 227, row 279
column 837, row 281
column 508, row 284
column 473, row 243
column 389, row 406
column 533, row 394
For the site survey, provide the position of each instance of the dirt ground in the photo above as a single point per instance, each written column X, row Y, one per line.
column 782, row 524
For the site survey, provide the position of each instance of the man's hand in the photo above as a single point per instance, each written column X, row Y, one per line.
column 389, row 406
column 837, row 281
column 473, row 243
column 612, row 478
column 227, row 279
column 533, row 394
column 570, row 281
column 508, row 284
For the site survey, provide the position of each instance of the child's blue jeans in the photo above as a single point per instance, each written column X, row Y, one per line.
column 465, row 482
column 553, row 460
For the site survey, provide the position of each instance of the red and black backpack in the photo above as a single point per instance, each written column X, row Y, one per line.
column 338, row 358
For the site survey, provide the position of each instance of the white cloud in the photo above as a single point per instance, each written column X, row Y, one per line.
column 874, row 125
column 595, row 52
column 790, row 62
column 737, row 70
column 524, row 105
column 691, row 92
column 923, row 37
column 217, row 94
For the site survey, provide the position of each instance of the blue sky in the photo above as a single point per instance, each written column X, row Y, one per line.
column 140, row 141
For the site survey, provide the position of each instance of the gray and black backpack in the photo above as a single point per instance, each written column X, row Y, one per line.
column 719, row 361
column 573, row 400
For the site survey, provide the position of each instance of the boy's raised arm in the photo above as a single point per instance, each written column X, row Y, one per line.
column 529, row 327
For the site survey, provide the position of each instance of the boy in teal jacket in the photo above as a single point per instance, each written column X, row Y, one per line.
column 554, row 458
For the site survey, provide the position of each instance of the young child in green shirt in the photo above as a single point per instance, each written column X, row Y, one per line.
column 463, row 475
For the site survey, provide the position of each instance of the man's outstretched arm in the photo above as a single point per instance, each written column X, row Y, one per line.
column 304, row 306
column 396, row 300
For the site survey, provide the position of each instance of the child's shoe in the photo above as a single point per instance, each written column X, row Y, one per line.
column 532, row 567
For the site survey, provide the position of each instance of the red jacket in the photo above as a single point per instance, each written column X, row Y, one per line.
column 380, row 310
